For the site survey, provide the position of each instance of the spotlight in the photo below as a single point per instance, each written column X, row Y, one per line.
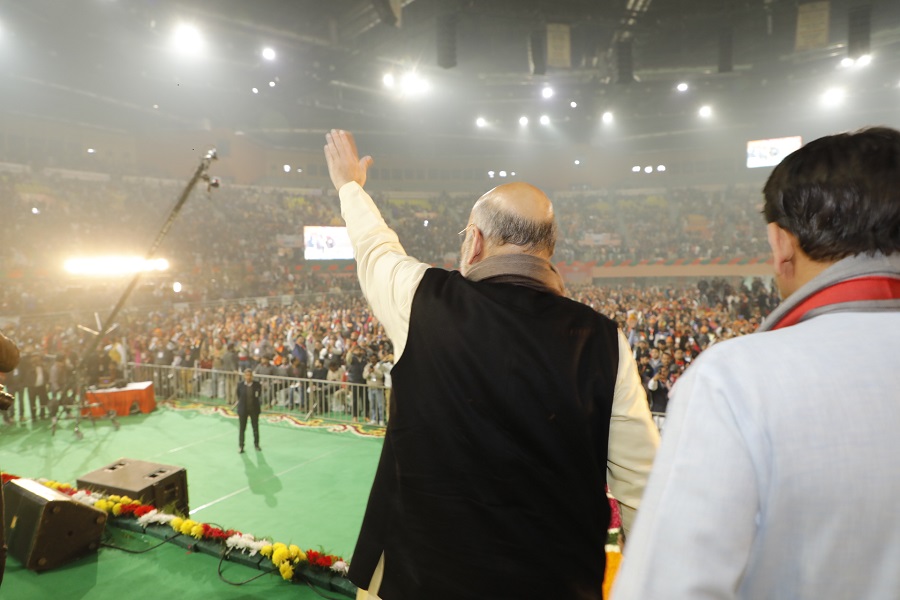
column 254, row 90
column 648, row 169
column 705, row 111
column 35, row 210
column 481, row 122
column 661, row 168
column 682, row 87
column 607, row 117
column 577, row 162
column 268, row 54
column 413, row 85
column 545, row 120
column 547, row 92
column 90, row 150
column 847, row 62
column 512, row 174
column 523, row 120
column 388, row 80
column 287, row 168
column 833, row 97
column 271, row 84
column 864, row 60
column 635, row 169
column 176, row 287
column 502, row 173
column 491, row 174
column 573, row 104
column 186, row 39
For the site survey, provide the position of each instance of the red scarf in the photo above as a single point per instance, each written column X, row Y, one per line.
column 852, row 290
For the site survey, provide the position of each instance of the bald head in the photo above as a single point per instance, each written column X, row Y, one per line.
column 516, row 217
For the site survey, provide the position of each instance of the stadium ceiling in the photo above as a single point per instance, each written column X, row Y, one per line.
column 111, row 63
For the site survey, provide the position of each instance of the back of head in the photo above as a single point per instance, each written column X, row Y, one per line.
column 840, row 194
column 517, row 214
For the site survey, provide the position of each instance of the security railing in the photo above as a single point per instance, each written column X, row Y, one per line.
column 307, row 398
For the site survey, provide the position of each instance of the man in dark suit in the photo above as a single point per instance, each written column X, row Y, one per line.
column 249, row 402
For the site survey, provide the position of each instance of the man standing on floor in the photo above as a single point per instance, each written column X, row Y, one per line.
column 513, row 406
column 249, row 404
column 778, row 474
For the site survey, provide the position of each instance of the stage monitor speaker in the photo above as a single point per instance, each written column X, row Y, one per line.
column 446, row 41
column 537, row 42
column 163, row 486
column 859, row 32
column 44, row 528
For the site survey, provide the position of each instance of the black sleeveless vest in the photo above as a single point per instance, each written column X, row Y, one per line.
column 491, row 482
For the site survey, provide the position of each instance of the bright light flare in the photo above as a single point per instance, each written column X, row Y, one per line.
column 607, row 117
column 268, row 53
column 187, row 40
column 388, row 81
column 113, row 266
column 682, row 87
column 547, row 92
column 287, row 168
column 833, row 97
column 412, row 84
column 864, row 60
column 705, row 111
column 523, row 121
column 177, row 287
column 545, row 120
column 481, row 122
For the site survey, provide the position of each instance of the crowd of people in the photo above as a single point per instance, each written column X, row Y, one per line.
column 243, row 241
column 334, row 338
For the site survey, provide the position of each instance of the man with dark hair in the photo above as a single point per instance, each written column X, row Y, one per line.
column 781, row 446
column 249, row 404
column 512, row 408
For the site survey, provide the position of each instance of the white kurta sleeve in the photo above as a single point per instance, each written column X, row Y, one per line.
column 633, row 437
column 387, row 275
column 696, row 526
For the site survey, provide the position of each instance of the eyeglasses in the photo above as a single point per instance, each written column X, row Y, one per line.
column 463, row 232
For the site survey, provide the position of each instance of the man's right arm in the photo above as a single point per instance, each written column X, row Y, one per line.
column 387, row 275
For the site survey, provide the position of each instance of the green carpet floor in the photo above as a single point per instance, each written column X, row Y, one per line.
column 308, row 486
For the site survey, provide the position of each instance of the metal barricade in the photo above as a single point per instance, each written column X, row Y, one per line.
column 338, row 401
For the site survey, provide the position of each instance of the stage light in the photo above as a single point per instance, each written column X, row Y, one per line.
column 547, row 92
column 271, row 84
column 187, row 40
column 523, row 121
column 648, row 169
column 864, row 61
column 114, row 265
column 287, row 168
column 577, row 162
column 502, row 173
column 425, row 223
column 35, row 210
column 705, row 111
column 411, row 84
column 299, row 170
column 660, row 168
column 176, row 287
column 513, row 174
column 388, row 80
column 545, row 120
column 156, row 106
column 607, row 117
column 90, row 150
column 682, row 87
column 254, row 90
column 491, row 174
column 481, row 122
column 833, row 97
column 635, row 169
column 847, row 62
column 268, row 54
column 573, row 104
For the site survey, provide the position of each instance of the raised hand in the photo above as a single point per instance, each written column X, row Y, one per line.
column 344, row 164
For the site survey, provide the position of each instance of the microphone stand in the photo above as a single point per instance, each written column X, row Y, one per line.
column 201, row 173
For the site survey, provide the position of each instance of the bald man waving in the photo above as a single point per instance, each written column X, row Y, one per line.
column 512, row 408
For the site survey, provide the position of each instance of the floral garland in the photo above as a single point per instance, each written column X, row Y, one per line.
column 285, row 558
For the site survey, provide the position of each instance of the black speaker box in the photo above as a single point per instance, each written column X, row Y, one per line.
column 163, row 486
column 45, row 528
